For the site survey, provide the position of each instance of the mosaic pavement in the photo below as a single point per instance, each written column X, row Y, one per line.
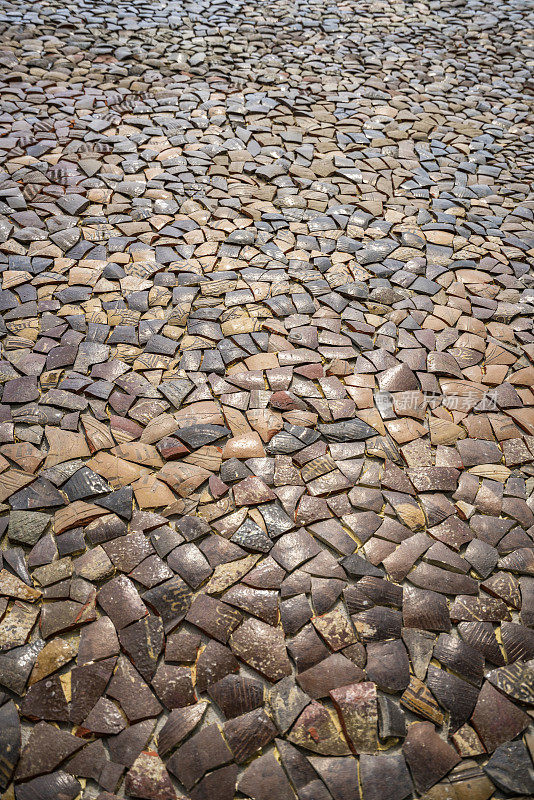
column 267, row 400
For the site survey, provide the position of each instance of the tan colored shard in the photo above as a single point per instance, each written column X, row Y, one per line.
column 11, row 586
column 64, row 446
column 116, row 471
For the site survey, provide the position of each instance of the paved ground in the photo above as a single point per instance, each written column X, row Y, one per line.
column 267, row 411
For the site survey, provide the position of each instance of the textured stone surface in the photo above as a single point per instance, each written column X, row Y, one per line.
column 266, row 400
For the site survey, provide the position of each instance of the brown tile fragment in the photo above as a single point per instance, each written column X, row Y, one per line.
column 428, row 756
column 121, row 602
column 132, row 693
column 286, row 701
column 127, row 745
column 265, row 779
column 46, row 748
column 318, row 729
column 217, row 785
column 202, row 752
column 148, row 778
column 174, row 685
column 214, row 617
column 179, row 723
column 248, row 733
column 388, row 665
column 262, row 647
column 237, row 694
column 356, row 705
column 213, row 663
column 384, row 777
column 340, row 775
column 329, row 673
column 455, row 695
column 88, row 684
column 496, row 719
